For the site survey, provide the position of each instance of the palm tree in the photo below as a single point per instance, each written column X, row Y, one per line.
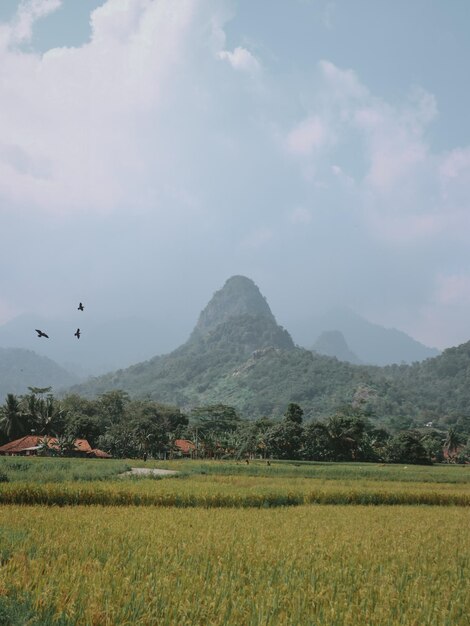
column 44, row 447
column 45, row 413
column 66, row 444
column 13, row 422
column 452, row 443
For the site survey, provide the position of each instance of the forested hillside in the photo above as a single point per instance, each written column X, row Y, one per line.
column 239, row 356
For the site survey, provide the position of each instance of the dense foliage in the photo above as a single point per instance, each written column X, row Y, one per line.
column 249, row 362
column 144, row 428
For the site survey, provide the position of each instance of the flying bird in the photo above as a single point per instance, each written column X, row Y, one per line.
column 41, row 333
column 77, row 333
column 80, row 307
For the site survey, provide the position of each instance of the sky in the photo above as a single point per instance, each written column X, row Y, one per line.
column 150, row 149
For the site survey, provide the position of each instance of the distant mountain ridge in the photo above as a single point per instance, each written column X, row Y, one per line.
column 20, row 369
column 98, row 349
column 117, row 342
column 239, row 355
column 371, row 343
column 236, row 323
column 332, row 343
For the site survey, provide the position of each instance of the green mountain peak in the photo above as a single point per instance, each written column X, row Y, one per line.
column 238, row 297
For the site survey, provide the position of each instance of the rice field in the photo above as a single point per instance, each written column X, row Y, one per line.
column 232, row 491
column 312, row 565
column 227, row 543
column 53, row 470
column 218, row 484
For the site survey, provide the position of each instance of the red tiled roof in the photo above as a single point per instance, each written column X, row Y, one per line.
column 99, row 454
column 185, row 445
column 32, row 441
column 20, row 444
column 83, row 445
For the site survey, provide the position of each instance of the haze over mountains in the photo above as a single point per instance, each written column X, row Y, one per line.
column 238, row 355
column 20, row 369
column 370, row 343
column 103, row 346
column 117, row 342
column 333, row 343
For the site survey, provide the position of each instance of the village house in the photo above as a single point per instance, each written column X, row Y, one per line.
column 186, row 448
column 34, row 445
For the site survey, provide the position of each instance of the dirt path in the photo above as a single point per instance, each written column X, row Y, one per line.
column 146, row 471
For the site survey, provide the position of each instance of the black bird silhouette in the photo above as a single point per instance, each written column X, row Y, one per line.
column 77, row 333
column 41, row 333
column 80, row 307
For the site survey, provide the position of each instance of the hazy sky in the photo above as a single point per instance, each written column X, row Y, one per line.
column 149, row 149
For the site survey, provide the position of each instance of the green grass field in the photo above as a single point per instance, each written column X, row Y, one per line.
column 48, row 470
column 217, row 544
column 228, row 484
column 57, row 470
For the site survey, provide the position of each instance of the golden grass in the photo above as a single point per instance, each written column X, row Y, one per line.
column 234, row 491
column 311, row 565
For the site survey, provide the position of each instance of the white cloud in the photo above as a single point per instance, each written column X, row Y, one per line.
column 405, row 192
column 300, row 215
column 344, row 178
column 29, row 11
column 76, row 122
column 394, row 141
column 454, row 180
column 342, row 83
column 308, row 136
column 148, row 119
column 240, row 59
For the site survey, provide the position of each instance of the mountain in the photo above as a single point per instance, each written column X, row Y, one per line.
column 333, row 343
column 20, row 369
column 371, row 343
column 238, row 297
column 238, row 355
column 236, row 324
column 437, row 387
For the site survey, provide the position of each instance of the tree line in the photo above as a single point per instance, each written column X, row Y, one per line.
column 129, row 428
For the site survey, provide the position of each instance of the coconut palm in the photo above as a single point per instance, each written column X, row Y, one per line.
column 44, row 412
column 44, row 447
column 13, row 422
column 452, row 443
column 66, row 444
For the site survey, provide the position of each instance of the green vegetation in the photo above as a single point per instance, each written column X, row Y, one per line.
column 57, row 470
column 230, row 484
column 323, row 565
column 252, row 545
column 246, row 363
column 238, row 356
column 144, row 428
column 235, row 377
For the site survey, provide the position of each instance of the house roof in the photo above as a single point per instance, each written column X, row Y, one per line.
column 99, row 454
column 31, row 442
column 185, row 445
